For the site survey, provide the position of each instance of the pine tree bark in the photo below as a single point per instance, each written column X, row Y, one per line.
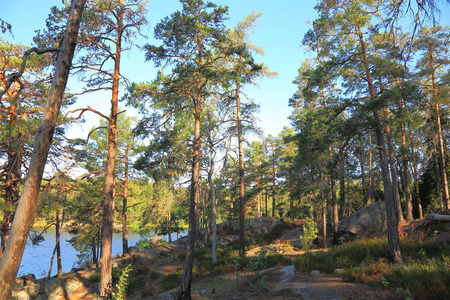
column 394, row 253
column 110, row 176
column 241, row 174
column 9, row 265
column 125, row 204
column 186, row 280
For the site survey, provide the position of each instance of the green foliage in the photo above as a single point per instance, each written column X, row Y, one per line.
column 309, row 234
column 122, row 285
column 266, row 258
column 143, row 243
column 261, row 284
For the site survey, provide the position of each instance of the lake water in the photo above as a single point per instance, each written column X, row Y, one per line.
column 36, row 259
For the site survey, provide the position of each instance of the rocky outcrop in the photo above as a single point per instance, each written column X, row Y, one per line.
column 255, row 226
column 369, row 220
column 72, row 286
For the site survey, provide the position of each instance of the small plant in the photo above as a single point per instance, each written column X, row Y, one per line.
column 261, row 284
column 143, row 243
column 95, row 277
column 288, row 247
column 310, row 234
column 123, row 284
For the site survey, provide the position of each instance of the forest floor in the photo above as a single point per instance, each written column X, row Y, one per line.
column 281, row 281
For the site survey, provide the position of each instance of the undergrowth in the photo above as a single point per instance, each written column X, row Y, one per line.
column 423, row 274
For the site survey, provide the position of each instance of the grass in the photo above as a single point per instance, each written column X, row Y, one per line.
column 424, row 273
column 170, row 281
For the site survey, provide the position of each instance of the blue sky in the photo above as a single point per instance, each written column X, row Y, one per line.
column 279, row 32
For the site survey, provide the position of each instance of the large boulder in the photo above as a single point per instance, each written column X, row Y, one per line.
column 369, row 220
column 256, row 226
column 155, row 241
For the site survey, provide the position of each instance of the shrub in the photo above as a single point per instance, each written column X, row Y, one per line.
column 95, row 277
column 309, row 234
column 123, row 284
column 143, row 243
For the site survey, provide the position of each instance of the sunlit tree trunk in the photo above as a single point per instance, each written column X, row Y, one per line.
column 12, row 256
column 394, row 252
column 393, row 168
column 110, row 176
column 186, row 280
column 440, row 141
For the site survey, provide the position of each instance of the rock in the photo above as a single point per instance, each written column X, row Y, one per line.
column 315, row 272
column 24, row 280
column 155, row 241
column 256, row 226
column 122, row 262
column 338, row 271
column 21, row 295
column 51, row 285
column 134, row 249
column 369, row 220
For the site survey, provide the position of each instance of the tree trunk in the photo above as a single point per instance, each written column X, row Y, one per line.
column 440, row 146
column 12, row 256
column 213, row 206
column 324, row 219
column 60, row 222
column 291, row 194
column 394, row 253
column 273, row 186
column 342, row 183
column 241, row 174
column 335, row 212
column 110, row 176
column 393, row 168
column 406, row 177
column 369, row 173
column 57, row 249
column 186, row 280
column 125, row 205
column 416, row 190
column 265, row 200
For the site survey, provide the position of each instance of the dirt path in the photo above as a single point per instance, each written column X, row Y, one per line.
column 282, row 283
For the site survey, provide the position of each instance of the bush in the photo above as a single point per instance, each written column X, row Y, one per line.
column 95, row 277
column 122, row 286
column 309, row 234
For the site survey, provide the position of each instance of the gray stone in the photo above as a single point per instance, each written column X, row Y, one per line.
column 338, row 271
column 21, row 295
column 315, row 272
column 51, row 284
column 155, row 241
column 370, row 219
column 256, row 226
column 24, row 280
